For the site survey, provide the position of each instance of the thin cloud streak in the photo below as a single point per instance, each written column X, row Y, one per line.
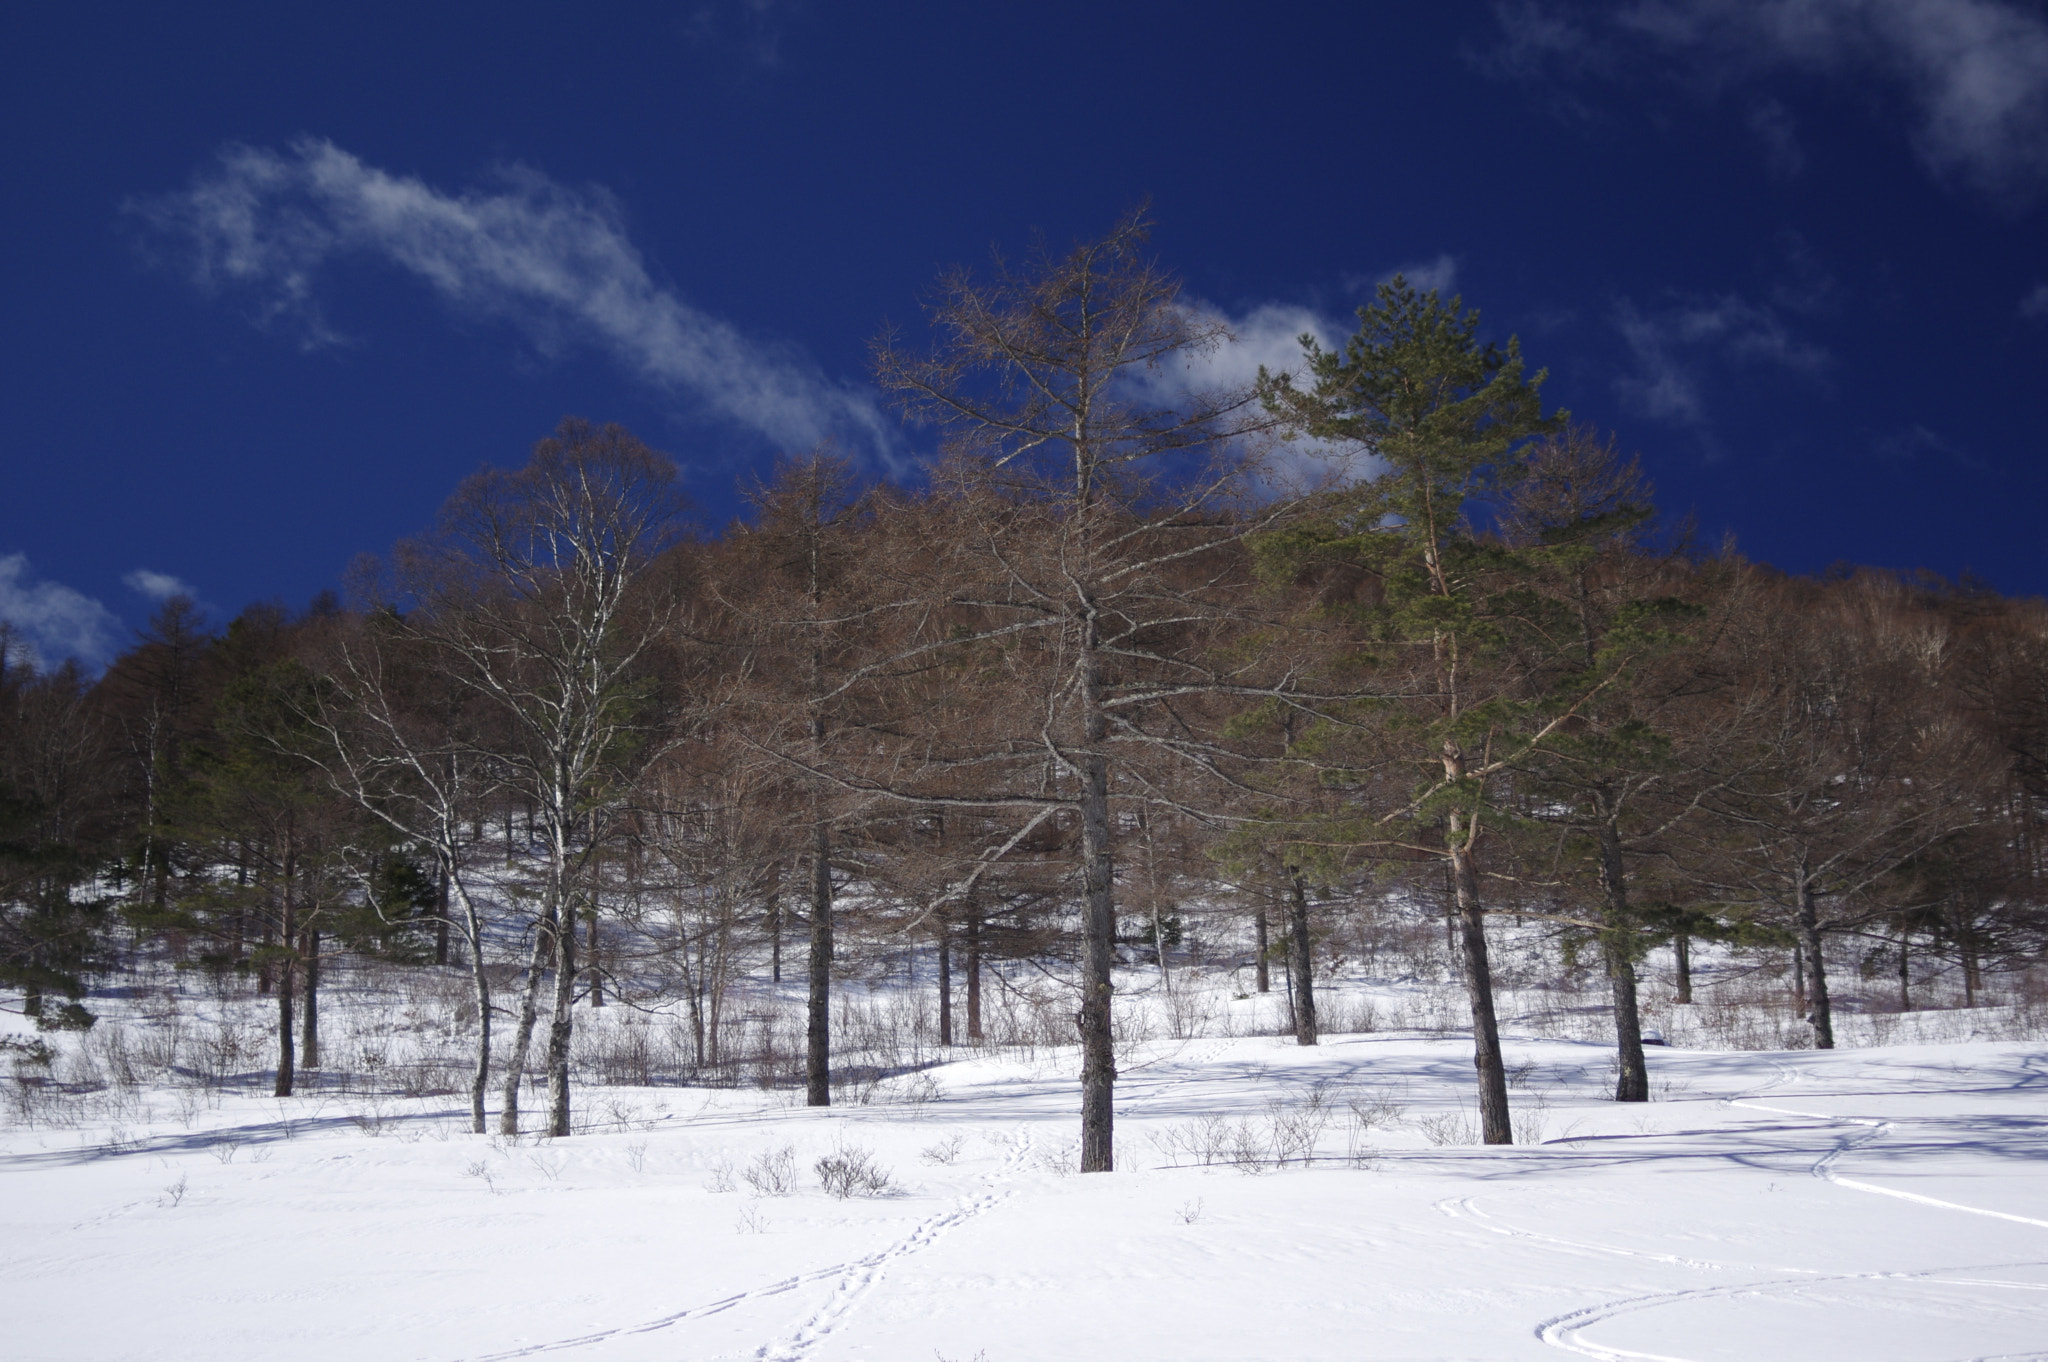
column 1975, row 72
column 1673, row 347
column 553, row 261
column 1440, row 274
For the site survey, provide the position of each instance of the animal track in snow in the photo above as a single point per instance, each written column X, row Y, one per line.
column 861, row 1276
column 858, row 1275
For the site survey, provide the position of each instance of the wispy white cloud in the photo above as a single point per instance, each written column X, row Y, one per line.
column 2035, row 304
column 1773, row 125
column 158, row 586
column 754, row 29
column 553, row 261
column 1916, row 442
column 55, row 620
column 1266, row 336
column 1542, row 43
column 1974, row 73
column 1440, row 273
column 1676, row 346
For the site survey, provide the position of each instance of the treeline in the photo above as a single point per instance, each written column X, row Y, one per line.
column 1128, row 646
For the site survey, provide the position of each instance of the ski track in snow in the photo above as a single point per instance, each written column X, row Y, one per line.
column 1567, row 1331
column 1563, row 1331
column 855, row 1279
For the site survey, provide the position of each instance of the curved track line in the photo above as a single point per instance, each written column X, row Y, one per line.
column 1563, row 1331
column 1465, row 1207
column 1824, row 1167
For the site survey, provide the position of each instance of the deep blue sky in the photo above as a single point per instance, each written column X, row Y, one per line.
column 277, row 276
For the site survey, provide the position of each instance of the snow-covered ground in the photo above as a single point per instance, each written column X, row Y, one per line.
column 1271, row 1202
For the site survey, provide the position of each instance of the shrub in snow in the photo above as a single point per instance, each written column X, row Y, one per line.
column 773, row 1171
column 852, row 1171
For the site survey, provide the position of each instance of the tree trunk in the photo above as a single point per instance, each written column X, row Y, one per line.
column 945, row 985
column 522, row 1027
column 775, row 938
column 1971, row 981
column 238, row 921
column 693, row 998
column 1820, row 1010
column 309, row 1022
column 1905, row 973
column 974, row 1036
column 1262, row 974
column 818, row 1016
column 1494, row 1125
column 1301, row 959
column 1632, row 1074
column 1681, row 950
column 716, row 976
column 480, row 986
column 285, row 1069
column 1098, row 957
column 266, row 971
column 1452, row 951
column 288, row 931
column 441, row 919
column 1159, row 945
column 1158, row 929
column 590, row 959
column 562, row 1020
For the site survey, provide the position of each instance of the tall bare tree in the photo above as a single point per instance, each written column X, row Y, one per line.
column 537, row 589
column 1859, row 761
column 403, row 741
column 803, row 603
column 1083, row 538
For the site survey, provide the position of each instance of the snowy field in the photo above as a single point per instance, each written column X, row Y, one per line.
column 1273, row 1202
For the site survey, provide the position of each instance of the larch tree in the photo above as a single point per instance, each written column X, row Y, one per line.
column 801, row 599
column 1610, row 625
column 1083, row 545
column 1856, row 762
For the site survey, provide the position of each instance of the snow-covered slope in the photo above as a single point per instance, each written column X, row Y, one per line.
column 1880, row 1204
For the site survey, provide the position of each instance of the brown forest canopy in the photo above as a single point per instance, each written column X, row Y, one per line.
column 1128, row 650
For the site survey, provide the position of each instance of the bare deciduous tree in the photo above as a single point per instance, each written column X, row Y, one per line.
column 1091, row 528
column 536, row 589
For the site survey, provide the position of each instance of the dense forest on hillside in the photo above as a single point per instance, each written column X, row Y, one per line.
column 1372, row 663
